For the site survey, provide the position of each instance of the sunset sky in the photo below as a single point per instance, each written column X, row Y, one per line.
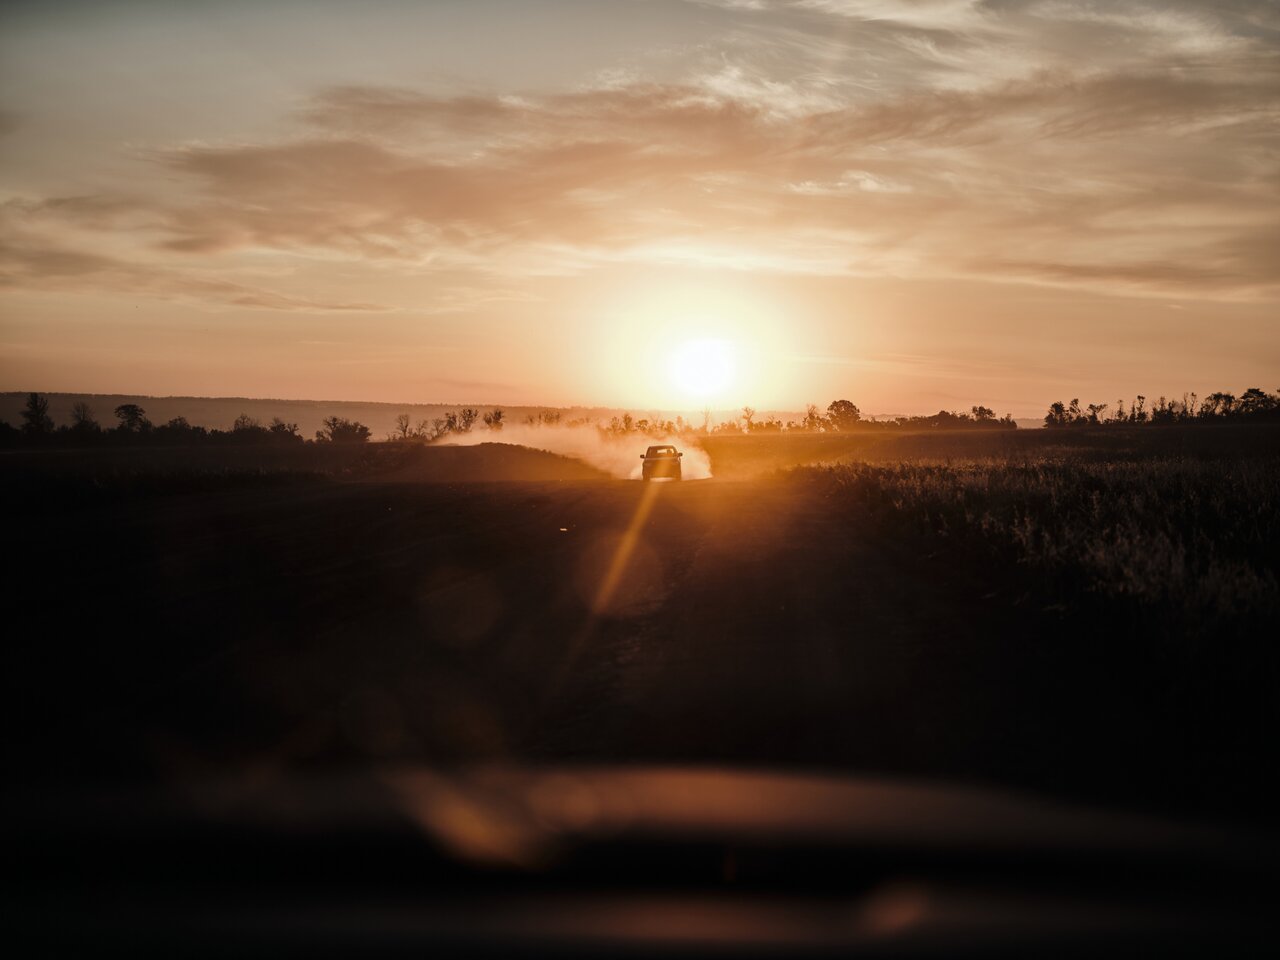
column 913, row 205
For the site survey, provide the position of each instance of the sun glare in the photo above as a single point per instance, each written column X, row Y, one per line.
column 702, row 368
column 682, row 346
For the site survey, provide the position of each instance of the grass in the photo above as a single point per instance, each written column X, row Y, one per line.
column 737, row 457
column 1198, row 537
column 1145, row 585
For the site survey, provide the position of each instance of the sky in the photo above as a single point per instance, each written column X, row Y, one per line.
column 911, row 204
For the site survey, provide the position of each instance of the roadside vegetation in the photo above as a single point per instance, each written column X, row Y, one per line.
column 1193, row 540
column 130, row 426
column 1143, row 581
column 1254, row 404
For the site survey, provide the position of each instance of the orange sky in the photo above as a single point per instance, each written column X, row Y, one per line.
column 914, row 205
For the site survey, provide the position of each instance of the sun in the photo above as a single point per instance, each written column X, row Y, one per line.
column 702, row 368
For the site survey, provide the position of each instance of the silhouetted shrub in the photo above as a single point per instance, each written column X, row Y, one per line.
column 281, row 431
column 342, row 430
column 133, row 419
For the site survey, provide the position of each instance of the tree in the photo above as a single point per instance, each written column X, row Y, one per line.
column 82, row 422
column 133, row 419
column 843, row 415
column 467, row 419
column 748, row 415
column 247, row 429
column 812, row 418
column 981, row 413
column 493, row 420
column 35, row 414
column 1163, row 411
column 342, row 430
column 1255, row 401
column 282, row 431
column 1057, row 415
column 1218, row 405
column 401, row 431
column 178, row 430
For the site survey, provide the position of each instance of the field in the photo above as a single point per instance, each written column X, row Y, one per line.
column 1088, row 614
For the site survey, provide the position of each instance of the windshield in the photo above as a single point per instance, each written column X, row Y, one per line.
column 810, row 462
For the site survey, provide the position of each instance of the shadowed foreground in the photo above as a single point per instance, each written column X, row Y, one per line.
column 287, row 622
column 370, row 701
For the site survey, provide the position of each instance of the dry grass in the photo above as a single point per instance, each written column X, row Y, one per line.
column 1199, row 535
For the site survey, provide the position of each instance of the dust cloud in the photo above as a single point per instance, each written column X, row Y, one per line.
column 617, row 456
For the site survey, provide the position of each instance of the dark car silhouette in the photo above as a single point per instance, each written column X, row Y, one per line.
column 661, row 461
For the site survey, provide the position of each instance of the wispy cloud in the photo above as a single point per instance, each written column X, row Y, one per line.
column 1123, row 147
column 42, row 267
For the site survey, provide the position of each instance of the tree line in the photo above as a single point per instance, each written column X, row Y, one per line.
column 1252, row 405
column 453, row 422
column 132, row 426
column 842, row 416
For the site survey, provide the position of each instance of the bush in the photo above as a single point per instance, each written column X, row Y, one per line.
column 341, row 430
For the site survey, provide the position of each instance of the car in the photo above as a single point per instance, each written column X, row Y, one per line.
column 662, row 460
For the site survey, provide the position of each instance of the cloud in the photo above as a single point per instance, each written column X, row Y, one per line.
column 1123, row 147
column 45, row 268
column 932, row 14
column 1139, row 273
